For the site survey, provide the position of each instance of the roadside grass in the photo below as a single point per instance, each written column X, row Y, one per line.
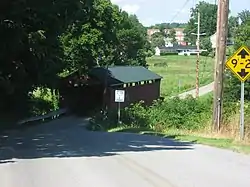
column 179, row 72
column 214, row 140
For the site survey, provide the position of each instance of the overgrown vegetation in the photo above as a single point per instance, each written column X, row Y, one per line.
column 44, row 100
column 187, row 114
column 182, row 119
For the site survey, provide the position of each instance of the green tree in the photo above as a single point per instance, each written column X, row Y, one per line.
column 233, row 24
column 41, row 39
column 132, row 41
column 168, row 25
column 206, row 45
column 157, row 40
column 91, row 36
column 242, row 35
column 208, row 15
column 244, row 16
column 107, row 34
column 31, row 54
column 172, row 36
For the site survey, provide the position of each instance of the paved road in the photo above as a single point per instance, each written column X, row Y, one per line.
column 202, row 91
column 62, row 153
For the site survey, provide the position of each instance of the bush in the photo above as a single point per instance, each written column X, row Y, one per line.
column 161, row 64
column 40, row 106
column 188, row 114
column 168, row 53
column 43, row 101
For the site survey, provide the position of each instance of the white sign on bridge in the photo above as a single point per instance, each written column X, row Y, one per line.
column 119, row 96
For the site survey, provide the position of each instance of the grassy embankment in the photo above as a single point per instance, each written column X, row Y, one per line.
column 179, row 72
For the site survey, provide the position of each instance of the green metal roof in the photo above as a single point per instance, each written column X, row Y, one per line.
column 123, row 74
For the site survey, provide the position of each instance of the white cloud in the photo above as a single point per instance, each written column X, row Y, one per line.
column 147, row 22
column 183, row 10
column 131, row 9
column 179, row 21
column 116, row 1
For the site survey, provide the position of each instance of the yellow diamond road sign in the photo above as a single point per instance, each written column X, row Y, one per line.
column 239, row 63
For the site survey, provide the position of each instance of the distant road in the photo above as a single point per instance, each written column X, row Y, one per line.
column 202, row 91
column 62, row 153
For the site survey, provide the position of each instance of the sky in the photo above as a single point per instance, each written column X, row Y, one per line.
column 151, row 12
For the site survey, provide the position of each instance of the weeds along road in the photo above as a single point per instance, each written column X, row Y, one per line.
column 62, row 153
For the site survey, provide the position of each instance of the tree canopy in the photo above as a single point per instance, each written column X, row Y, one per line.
column 208, row 17
column 42, row 39
column 157, row 39
column 168, row 26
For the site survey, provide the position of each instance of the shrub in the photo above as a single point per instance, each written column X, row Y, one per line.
column 168, row 53
column 189, row 114
column 40, row 106
column 42, row 101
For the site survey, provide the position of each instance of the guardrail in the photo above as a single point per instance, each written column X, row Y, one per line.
column 52, row 115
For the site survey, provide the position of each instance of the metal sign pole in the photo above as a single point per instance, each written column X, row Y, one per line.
column 238, row 63
column 119, row 98
column 119, row 112
column 242, row 111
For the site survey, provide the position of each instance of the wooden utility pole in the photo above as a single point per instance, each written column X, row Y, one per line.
column 220, row 58
column 198, row 53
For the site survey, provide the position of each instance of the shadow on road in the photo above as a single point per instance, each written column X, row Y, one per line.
column 67, row 137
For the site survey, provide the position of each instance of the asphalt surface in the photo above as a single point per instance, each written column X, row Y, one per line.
column 202, row 91
column 62, row 153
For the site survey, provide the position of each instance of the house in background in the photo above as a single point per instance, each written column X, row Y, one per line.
column 213, row 41
column 168, row 42
column 179, row 34
column 150, row 32
column 157, row 51
column 175, row 48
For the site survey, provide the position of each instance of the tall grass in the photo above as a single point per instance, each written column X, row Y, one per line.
column 179, row 72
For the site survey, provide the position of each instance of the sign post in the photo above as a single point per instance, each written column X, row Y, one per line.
column 239, row 64
column 242, row 111
column 119, row 98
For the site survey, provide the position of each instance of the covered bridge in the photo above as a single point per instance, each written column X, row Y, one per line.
column 138, row 82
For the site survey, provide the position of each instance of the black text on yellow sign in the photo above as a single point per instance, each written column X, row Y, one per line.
column 239, row 63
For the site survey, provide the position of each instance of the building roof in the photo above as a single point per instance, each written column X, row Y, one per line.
column 117, row 75
column 178, row 47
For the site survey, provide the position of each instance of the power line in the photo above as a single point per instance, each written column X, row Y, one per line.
column 214, row 16
column 177, row 13
column 198, row 34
